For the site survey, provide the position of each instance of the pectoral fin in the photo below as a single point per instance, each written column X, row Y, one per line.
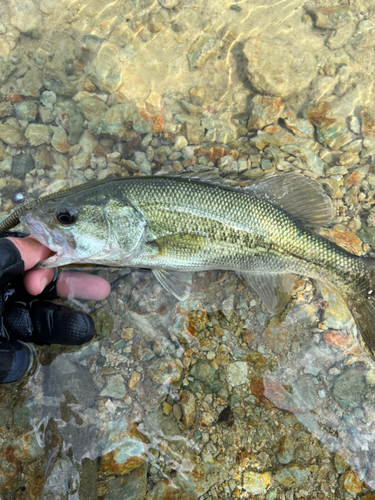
column 274, row 289
column 176, row 282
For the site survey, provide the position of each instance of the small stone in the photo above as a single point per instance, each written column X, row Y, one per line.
column 194, row 133
column 236, row 373
column 300, row 127
column 256, row 483
column 22, row 165
column 264, row 111
column 187, row 403
column 203, row 371
column 201, row 50
column 103, row 323
column 351, row 482
column 292, row 476
column 169, row 4
column 340, row 464
column 89, row 174
column 127, row 333
column 164, row 371
column 60, row 140
column 115, row 387
column 26, row 110
column 12, row 136
column 336, row 315
column 329, row 17
column 344, row 238
column 3, row 183
column 25, row 16
column 37, row 134
column 341, row 36
column 285, row 452
column 227, row 164
column 197, row 95
column 370, row 378
column 349, row 387
column 134, row 380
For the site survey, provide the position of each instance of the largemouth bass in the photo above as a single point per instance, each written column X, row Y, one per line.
column 178, row 225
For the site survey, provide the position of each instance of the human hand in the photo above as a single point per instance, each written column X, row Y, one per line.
column 27, row 316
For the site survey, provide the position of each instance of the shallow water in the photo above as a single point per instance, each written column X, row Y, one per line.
column 210, row 397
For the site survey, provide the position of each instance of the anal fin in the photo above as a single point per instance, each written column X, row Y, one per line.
column 274, row 289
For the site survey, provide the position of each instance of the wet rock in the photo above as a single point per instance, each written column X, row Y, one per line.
column 6, row 109
column 236, row 373
column 11, row 135
column 349, row 387
column 22, row 165
column 330, row 17
column 227, row 164
column 264, row 111
column 165, row 371
column 292, row 476
column 163, row 491
column 74, row 127
column 37, row 134
column 336, row 315
column 300, row 127
column 87, row 142
column 273, row 135
column 279, row 66
column 187, row 403
column 344, row 238
column 121, row 447
column 330, row 132
column 25, row 16
column 194, row 133
column 132, row 486
column 6, row 69
column 180, row 143
column 285, row 451
column 152, row 115
column 368, row 123
column 197, row 95
column 340, row 464
column 203, row 371
column 219, row 131
column 341, row 36
column 48, row 99
column 309, row 161
column 169, row 4
column 60, row 140
column 256, row 483
column 103, row 323
column 26, row 110
column 354, row 125
column 115, row 387
column 351, row 482
column 201, row 50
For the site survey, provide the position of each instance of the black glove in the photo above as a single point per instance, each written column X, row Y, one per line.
column 28, row 318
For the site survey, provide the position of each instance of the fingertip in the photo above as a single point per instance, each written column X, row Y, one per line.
column 82, row 286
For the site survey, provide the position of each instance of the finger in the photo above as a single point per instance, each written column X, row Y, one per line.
column 36, row 280
column 82, row 286
column 31, row 251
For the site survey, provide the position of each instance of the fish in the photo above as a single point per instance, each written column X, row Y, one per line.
column 177, row 225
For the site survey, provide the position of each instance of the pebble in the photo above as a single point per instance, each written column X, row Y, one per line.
column 256, row 483
column 164, row 371
column 169, row 4
column 197, row 95
column 264, row 111
column 272, row 63
column 25, row 16
column 11, row 135
column 37, row 134
column 236, row 373
column 22, row 164
column 349, row 387
column 201, row 50
column 292, row 476
column 59, row 140
column 115, row 387
column 351, row 482
column 285, row 452
column 187, row 403
column 26, row 110
column 203, row 371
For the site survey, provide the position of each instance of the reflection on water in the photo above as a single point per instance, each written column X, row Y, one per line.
column 203, row 398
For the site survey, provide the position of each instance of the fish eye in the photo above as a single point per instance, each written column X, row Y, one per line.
column 66, row 216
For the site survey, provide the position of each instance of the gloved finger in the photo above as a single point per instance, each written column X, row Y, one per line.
column 31, row 250
column 46, row 323
column 82, row 286
column 36, row 280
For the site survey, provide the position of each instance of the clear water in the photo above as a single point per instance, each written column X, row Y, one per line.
column 115, row 419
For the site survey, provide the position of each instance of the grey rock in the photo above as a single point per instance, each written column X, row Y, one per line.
column 37, row 134
column 115, row 387
column 203, row 371
column 169, row 4
column 22, row 164
column 132, row 486
column 26, row 110
column 285, row 452
column 201, row 50
column 349, row 387
column 6, row 69
column 26, row 16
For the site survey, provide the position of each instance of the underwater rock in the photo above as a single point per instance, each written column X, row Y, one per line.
column 26, row 110
column 12, row 136
column 264, row 111
column 37, row 134
column 201, row 50
column 279, row 66
column 349, row 388
column 256, row 483
column 292, row 476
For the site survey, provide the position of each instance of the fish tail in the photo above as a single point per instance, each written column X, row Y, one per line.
column 361, row 303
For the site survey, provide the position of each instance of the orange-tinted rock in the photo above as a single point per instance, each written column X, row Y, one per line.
column 110, row 463
column 344, row 238
column 153, row 116
column 351, row 483
column 336, row 339
column 14, row 98
column 214, row 153
column 264, row 111
column 163, row 491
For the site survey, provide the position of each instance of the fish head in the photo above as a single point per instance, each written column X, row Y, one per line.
column 85, row 228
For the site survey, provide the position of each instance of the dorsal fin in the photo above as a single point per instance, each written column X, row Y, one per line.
column 300, row 196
